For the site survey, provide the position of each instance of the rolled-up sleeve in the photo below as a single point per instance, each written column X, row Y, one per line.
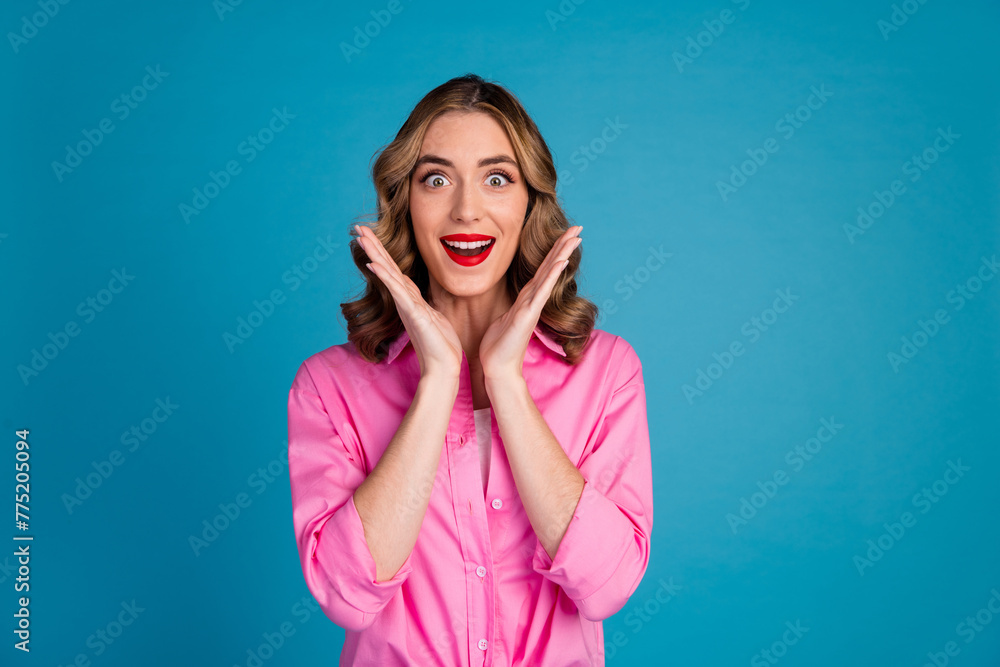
column 325, row 467
column 605, row 551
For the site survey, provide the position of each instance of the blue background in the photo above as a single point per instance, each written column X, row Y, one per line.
column 683, row 125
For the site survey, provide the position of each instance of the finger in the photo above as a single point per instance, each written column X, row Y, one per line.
column 539, row 295
column 559, row 250
column 373, row 247
column 571, row 244
column 533, row 297
column 388, row 271
column 545, row 289
column 383, row 266
column 376, row 251
column 380, row 256
column 391, row 282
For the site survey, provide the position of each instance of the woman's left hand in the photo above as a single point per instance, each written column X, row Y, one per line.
column 501, row 352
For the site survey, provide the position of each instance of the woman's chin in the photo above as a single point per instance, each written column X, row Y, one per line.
column 469, row 286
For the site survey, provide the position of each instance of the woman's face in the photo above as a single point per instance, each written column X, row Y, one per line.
column 467, row 187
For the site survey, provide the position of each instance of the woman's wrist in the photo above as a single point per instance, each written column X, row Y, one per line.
column 499, row 382
column 440, row 381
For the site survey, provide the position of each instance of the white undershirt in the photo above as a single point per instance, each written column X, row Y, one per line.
column 484, row 435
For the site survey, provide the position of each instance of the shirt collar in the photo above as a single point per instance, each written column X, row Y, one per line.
column 401, row 341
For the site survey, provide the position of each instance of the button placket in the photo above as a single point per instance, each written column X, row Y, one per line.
column 467, row 494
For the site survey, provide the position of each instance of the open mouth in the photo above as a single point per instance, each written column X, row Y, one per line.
column 468, row 249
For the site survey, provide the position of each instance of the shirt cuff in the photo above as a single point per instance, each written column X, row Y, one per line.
column 342, row 544
column 595, row 542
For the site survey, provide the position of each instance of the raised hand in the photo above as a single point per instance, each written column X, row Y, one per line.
column 501, row 352
column 438, row 347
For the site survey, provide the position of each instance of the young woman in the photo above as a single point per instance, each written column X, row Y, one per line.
column 470, row 473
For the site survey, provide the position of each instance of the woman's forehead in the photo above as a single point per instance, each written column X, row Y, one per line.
column 466, row 133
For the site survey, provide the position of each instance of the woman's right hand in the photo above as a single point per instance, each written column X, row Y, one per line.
column 438, row 347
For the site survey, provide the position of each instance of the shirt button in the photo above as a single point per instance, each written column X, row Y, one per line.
column 483, row 644
column 481, row 571
column 497, row 503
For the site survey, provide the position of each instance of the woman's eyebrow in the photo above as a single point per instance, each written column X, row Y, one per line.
column 430, row 158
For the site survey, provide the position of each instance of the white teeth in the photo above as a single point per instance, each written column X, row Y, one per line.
column 465, row 245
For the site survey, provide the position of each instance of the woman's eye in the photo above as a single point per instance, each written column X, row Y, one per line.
column 437, row 180
column 497, row 180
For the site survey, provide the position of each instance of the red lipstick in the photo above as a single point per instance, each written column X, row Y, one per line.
column 467, row 260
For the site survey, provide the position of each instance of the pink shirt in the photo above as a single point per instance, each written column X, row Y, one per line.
column 478, row 587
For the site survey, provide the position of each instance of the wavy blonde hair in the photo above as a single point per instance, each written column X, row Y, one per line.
column 372, row 320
